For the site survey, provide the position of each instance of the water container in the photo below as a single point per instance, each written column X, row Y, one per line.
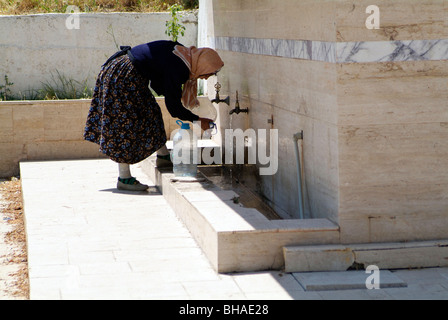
column 185, row 152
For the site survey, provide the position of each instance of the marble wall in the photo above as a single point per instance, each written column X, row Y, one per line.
column 373, row 105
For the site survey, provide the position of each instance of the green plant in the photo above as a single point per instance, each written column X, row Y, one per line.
column 110, row 31
column 173, row 27
column 61, row 87
column 4, row 89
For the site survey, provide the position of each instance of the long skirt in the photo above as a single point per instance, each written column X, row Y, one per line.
column 124, row 117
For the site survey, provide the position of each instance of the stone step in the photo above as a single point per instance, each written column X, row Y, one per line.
column 341, row 257
column 348, row 280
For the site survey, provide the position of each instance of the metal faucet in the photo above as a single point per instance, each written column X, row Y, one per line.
column 237, row 109
column 217, row 99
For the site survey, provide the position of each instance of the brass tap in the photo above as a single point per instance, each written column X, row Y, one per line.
column 217, row 99
column 237, row 108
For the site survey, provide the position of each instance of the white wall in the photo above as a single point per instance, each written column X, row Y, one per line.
column 33, row 46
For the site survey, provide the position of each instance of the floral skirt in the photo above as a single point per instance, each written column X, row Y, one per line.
column 124, row 117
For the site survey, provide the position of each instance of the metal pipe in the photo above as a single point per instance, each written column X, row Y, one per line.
column 296, row 137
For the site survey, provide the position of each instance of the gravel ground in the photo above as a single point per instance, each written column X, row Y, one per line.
column 14, row 283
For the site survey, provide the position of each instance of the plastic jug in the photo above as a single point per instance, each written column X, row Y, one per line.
column 185, row 152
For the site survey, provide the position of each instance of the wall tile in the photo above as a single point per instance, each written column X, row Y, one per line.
column 399, row 20
column 6, row 124
column 28, row 123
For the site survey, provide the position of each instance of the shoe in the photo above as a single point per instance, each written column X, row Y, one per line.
column 131, row 184
column 164, row 161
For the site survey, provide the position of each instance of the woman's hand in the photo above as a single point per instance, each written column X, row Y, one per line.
column 205, row 123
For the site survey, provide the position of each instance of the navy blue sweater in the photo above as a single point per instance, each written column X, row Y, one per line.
column 166, row 73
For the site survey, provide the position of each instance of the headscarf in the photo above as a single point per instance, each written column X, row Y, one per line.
column 200, row 61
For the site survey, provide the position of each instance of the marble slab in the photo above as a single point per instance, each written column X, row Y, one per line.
column 339, row 52
column 384, row 51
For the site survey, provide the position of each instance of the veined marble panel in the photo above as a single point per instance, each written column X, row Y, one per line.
column 383, row 51
column 339, row 52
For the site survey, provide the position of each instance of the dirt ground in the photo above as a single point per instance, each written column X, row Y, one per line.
column 14, row 284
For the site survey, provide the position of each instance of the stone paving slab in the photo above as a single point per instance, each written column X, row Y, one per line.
column 347, row 280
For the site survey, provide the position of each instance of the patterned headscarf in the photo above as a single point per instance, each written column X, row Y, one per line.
column 200, row 61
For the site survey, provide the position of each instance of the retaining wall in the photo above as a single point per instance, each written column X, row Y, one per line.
column 35, row 48
column 49, row 130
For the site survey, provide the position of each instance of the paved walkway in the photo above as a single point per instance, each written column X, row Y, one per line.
column 87, row 240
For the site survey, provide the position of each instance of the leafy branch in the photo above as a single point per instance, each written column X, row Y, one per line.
column 173, row 27
column 4, row 89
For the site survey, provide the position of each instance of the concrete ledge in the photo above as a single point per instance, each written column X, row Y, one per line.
column 384, row 255
column 235, row 238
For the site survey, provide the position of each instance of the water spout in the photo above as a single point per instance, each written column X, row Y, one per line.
column 237, row 108
column 217, row 99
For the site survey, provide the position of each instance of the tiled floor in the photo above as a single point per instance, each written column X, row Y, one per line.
column 87, row 240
